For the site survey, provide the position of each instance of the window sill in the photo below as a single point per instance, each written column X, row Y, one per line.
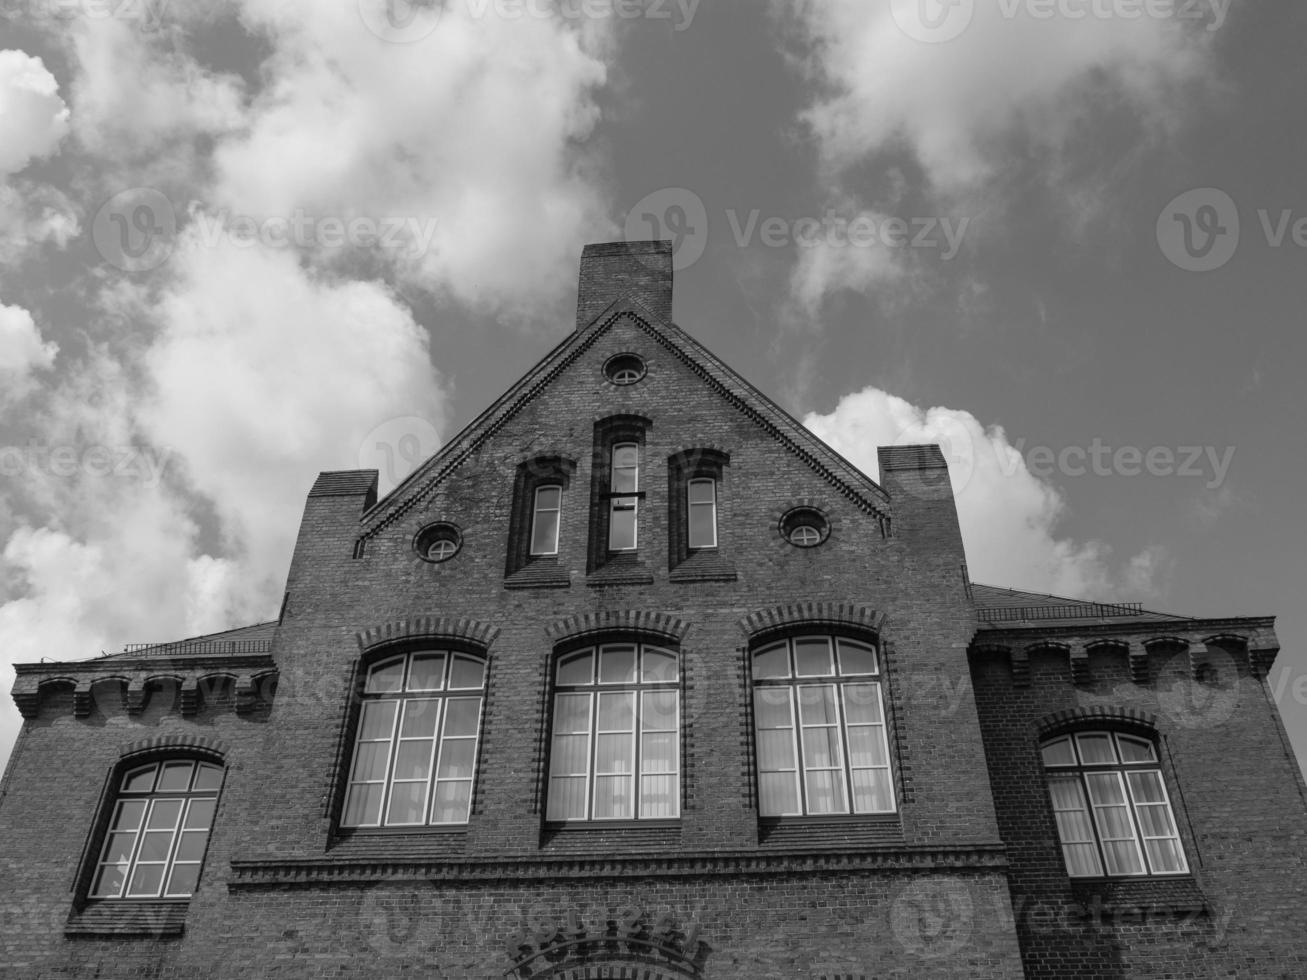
column 622, row 568
column 707, row 565
column 842, row 830
column 155, row 918
column 540, row 573
column 1149, row 896
column 600, row 836
column 400, row 842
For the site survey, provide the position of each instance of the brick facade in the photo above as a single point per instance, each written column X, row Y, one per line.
column 942, row 887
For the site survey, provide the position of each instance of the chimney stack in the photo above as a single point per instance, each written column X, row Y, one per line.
column 613, row 269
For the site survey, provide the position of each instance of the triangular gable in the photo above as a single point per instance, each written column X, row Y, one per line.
column 851, row 482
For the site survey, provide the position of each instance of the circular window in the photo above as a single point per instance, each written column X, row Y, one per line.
column 624, row 369
column 805, row 527
column 438, row 542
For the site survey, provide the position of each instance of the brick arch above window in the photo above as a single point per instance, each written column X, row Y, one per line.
column 652, row 624
column 1099, row 716
column 177, row 742
column 471, row 631
column 830, row 615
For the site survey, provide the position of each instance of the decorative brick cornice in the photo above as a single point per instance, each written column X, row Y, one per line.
column 175, row 741
column 428, row 627
column 617, row 621
column 318, row 872
column 824, row 614
column 1108, row 715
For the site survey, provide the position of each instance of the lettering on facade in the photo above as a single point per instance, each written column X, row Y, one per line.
column 544, row 945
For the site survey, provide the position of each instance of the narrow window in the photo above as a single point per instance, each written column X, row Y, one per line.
column 159, row 831
column 702, row 498
column 544, row 520
column 1113, row 814
column 416, row 749
column 614, row 753
column 624, row 499
column 820, row 729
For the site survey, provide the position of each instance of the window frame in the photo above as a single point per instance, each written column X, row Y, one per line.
column 536, row 511
column 610, row 434
column 440, row 739
column 594, row 690
column 622, row 501
column 690, row 504
column 1078, row 772
column 539, row 568
column 841, row 682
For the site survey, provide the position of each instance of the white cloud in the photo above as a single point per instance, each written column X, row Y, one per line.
column 33, row 117
column 1009, row 516
column 22, row 351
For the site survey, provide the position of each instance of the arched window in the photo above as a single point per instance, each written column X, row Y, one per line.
column 820, row 728
column 615, row 748
column 159, row 831
column 416, row 750
column 1113, row 813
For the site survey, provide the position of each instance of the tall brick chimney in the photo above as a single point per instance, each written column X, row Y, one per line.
column 612, row 269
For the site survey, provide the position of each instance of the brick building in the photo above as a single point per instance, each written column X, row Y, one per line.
column 636, row 678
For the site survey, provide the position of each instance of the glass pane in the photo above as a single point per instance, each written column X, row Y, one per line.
column 812, row 657
column 199, row 815
column 862, row 704
column 613, row 798
column 467, row 674
column 658, row 796
column 176, row 777
column 164, row 814
column 457, row 757
column 702, row 491
column 407, row 801
column 1082, row 860
column 617, row 712
column 772, row 661
column 657, row 666
column 577, row 669
column 370, row 761
column 771, row 707
column 571, row 713
column 570, row 755
column 658, row 752
column 378, row 719
column 452, row 802
column 659, row 711
column 420, row 716
column 130, row 813
column 544, row 532
column 776, row 750
column 1135, row 749
column 119, row 848
column 1146, row 787
column 821, row 747
column 386, row 676
column 1155, row 821
column 363, row 806
column 866, row 747
column 1105, row 789
column 1096, row 749
column 1165, row 856
column 191, row 846
column 825, row 793
column 817, row 705
column 427, row 672
column 548, row 498
column 413, row 760
column 1059, row 753
column 626, row 469
column 140, row 780
column 566, row 798
column 208, row 777
column 146, row 881
column 613, row 753
column 621, row 532
column 183, row 880
column 1122, row 858
column 155, row 845
column 871, row 791
column 462, row 716
column 778, row 794
column 856, row 658
column 617, row 664
column 109, row 882
column 703, row 526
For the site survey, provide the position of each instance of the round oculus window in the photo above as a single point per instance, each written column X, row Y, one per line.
column 805, row 527
column 624, row 369
column 438, row 542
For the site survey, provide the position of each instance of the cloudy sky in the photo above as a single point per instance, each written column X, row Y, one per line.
column 242, row 243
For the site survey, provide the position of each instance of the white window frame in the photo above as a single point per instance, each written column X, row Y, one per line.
column 625, row 500
column 537, row 510
column 691, row 504
column 1092, row 805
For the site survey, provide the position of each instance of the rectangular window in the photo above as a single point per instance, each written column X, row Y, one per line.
column 623, row 509
column 701, row 495
column 545, row 519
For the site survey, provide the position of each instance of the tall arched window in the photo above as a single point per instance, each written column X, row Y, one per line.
column 159, row 830
column 820, row 727
column 416, row 750
column 1110, row 801
column 615, row 751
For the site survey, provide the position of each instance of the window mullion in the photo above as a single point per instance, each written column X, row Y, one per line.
column 1093, row 817
column 433, row 758
column 800, row 759
column 136, row 848
column 392, row 749
column 592, row 733
column 637, row 745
